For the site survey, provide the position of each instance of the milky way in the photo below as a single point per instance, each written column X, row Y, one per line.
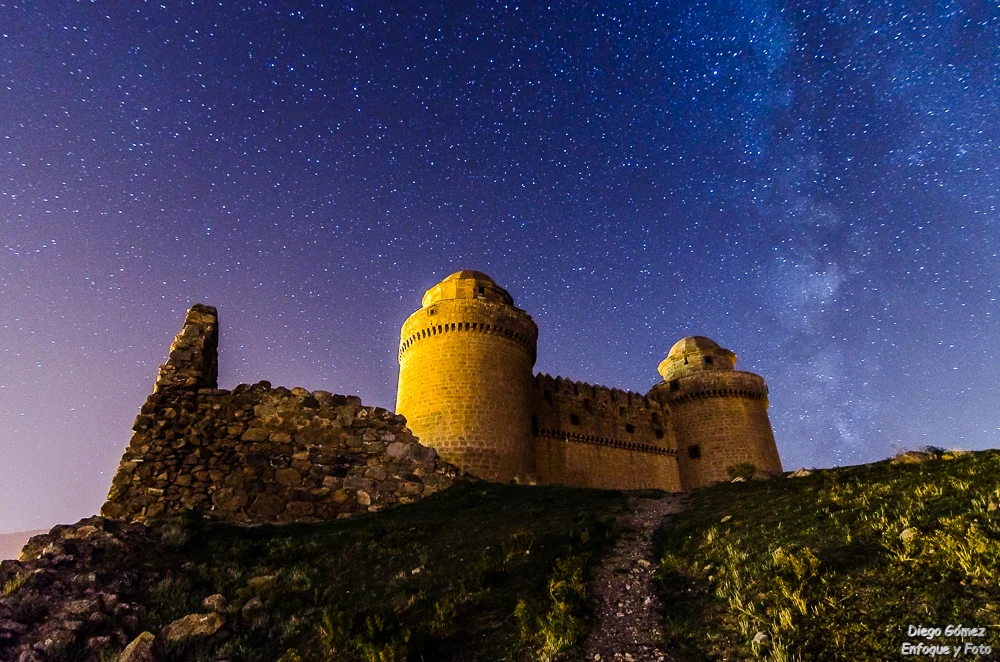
column 814, row 186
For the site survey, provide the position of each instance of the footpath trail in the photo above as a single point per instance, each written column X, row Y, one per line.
column 626, row 604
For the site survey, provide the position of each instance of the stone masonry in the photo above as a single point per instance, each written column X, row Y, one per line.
column 262, row 454
column 466, row 388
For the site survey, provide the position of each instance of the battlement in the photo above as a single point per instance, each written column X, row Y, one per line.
column 598, row 394
column 523, row 339
column 596, row 436
column 702, row 385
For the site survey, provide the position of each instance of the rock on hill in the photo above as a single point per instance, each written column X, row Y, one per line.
column 11, row 543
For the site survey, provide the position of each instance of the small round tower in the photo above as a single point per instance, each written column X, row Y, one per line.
column 465, row 376
column 719, row 413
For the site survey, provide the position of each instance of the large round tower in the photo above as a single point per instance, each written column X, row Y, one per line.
column 465, row 376
column 719, row 413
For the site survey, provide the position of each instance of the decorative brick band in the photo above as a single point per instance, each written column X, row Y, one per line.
column 717, row 393
column 492, row 329
column 605, row 441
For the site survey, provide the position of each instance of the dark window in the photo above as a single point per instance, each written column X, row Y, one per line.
column 621, row 411
column 586, row 404
column 685, row 360
column 482, row 290
column 675, row 385
column 629, row 428
column 694, row 452
column 574, row 419
column 708, row 360
column 431, row 311
column 534, row 425
column 659, row 433
column 656, row 418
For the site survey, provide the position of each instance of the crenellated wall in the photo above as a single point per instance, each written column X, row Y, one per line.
column 594, row 436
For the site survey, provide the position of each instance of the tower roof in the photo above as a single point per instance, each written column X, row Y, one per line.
column 469, row 273
column 467, row 284
column 693, row 344
column 695, row 354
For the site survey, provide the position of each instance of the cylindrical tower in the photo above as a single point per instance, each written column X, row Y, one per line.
column 719, row 414
column 465, row 376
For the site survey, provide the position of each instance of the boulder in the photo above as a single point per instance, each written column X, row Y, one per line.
column 140, row 650
column 912, row 457
column 193, row 625
column 214, row 603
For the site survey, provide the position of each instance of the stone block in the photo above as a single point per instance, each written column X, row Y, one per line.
column 229, row 500
column 288, row 476
column 266, row 506
column 255, row 434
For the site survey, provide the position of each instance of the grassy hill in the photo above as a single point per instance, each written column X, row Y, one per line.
column 831, row 566
column 837, row 565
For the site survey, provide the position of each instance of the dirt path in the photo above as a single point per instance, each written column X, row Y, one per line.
column 626, row 605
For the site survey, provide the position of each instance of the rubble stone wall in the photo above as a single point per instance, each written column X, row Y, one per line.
column 262, row 454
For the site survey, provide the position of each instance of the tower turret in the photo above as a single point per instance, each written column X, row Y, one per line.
column 719, row 413
column 465, row 376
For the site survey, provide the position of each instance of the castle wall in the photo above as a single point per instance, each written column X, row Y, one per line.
column 593, row 436
column 723, row 415
column 262, row 454
column 465, row 384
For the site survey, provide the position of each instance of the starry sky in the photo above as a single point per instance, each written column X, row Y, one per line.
column 814, row 185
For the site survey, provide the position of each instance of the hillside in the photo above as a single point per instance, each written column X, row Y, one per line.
column 11, row 543
column 833, row 565
column 838, row 564
column 481, row 571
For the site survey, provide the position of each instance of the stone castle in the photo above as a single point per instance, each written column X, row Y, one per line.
column 467, row 400
column 467, row 389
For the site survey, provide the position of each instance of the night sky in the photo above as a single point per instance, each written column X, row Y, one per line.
column 813, row 185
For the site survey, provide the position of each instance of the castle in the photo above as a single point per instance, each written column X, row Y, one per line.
column 466, row 389
column 466, row 398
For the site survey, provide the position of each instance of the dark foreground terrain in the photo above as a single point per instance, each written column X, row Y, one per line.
column 835, row 565
column 482, row 571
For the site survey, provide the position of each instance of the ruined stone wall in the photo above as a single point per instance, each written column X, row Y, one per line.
column 465, row 384
column 720, row 420
column 262, row 454
column 593, row 436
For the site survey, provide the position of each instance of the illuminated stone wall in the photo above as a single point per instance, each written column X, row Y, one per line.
column 719, row 421
column 592, row 436
column 465, row 381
